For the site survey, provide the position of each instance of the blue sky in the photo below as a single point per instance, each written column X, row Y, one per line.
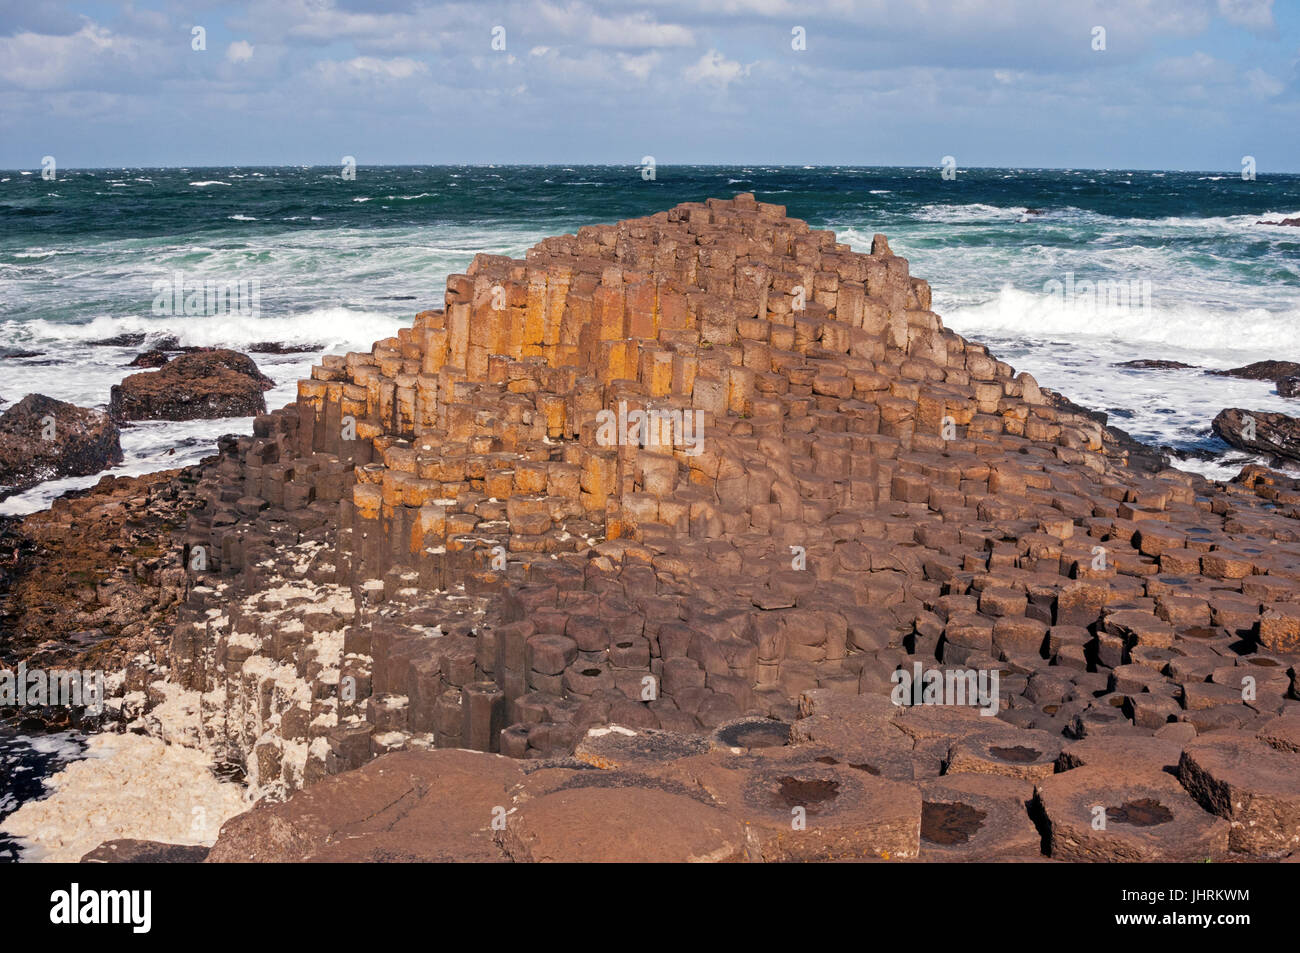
column 1181, row 84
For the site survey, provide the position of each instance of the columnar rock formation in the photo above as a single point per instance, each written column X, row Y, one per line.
column 469, row 537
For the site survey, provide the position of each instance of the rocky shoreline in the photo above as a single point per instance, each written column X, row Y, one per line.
column 655, row 653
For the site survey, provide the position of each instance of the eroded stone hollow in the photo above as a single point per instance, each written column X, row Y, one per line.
column 1142, row 812
column 665, row 474
column 805, row 792
column 950, row 822
column 1020, row 754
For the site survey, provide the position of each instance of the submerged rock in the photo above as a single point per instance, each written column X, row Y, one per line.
column 203, row 385
column 44, row 439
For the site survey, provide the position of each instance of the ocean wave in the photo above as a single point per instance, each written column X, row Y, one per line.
column 334, row 328
column 202, row 185
column 241, row 218
column 968, row 213
column 43, row 252
column 1039, row 316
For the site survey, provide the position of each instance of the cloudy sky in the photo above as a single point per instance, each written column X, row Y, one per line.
column 1180, row 84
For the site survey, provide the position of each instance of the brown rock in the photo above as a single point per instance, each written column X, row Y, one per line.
column 205, row 384
column 633, row 820
column 1261, row 431
column 410, row 806
column 1126, row 813
column 45, row 439
column 977, row 817
column 1255, row 786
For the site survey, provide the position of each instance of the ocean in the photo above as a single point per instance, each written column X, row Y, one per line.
column 1186, row 271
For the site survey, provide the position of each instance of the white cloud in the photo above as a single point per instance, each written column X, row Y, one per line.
column 41, row 61
column 1264, row 85
column 372, row 67
column 241, row 51
column 638, row 30
column 713, row 67
column 1254, row 15
column 1198, row 67
column 630, row 30
column 640, row 66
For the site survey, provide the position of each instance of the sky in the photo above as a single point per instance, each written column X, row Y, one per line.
column 1141, row 84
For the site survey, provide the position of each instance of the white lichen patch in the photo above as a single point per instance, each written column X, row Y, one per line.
column 612, row 729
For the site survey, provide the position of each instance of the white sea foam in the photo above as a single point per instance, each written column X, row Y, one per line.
column 968, row 213
column 1254, row 330
column 129, row 786
column 332, row 327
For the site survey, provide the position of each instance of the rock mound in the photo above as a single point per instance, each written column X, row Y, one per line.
column 202, row 385
column 703, row 473
column 44, row 439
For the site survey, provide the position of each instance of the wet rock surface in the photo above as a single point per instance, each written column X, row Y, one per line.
column 43, row 439
column 1261, row 431
column 1261, row 370
column 145, row 852
column 95, row 579
column 150, row 358
column 1155, row 364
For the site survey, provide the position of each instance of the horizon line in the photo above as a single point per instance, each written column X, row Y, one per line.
column 635, row 166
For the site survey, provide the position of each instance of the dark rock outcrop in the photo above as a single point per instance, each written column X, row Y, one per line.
column 1288, row 386
column 202, row 385
column 1151, row 364
column 1259, row 431
column 150, row 358
column 131, row 851
column 1261, row 371
column 275, row 347
column 1117, row 444
column 44, row 439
